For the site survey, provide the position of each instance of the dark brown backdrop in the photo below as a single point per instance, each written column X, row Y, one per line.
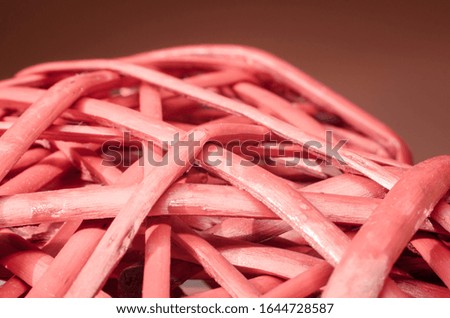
column 390, row 57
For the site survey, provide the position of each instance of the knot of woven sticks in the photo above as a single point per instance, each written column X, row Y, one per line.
column 219, row 163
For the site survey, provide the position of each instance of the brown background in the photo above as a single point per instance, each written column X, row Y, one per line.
column 390, row 57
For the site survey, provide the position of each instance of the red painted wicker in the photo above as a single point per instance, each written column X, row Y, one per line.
column 209, row 171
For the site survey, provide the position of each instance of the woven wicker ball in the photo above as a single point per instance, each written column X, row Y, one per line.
column 209, row 171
